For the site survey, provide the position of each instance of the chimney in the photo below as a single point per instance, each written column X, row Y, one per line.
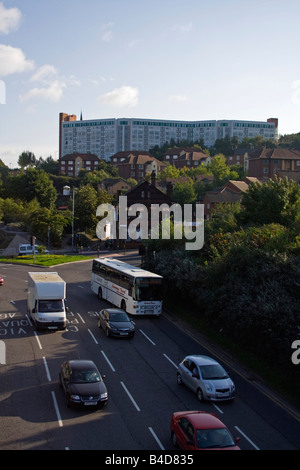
column 170, row 190
column 153, row 178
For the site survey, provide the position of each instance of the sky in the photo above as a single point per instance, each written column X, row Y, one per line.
column 165, row 59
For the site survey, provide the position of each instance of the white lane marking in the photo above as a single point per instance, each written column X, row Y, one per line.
column 108, row 361
column 60, row 423
column 47, row 370
column 38, row 341
column 28, row 319
column 219, row 409
column 147, row 337
column 170, row 360
column 92, row 336
column 2, row 352
column 80, row 317
column 130, row 396
column 246, row 437
column 156, row 438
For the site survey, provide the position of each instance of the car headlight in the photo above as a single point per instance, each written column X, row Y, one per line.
column 209, row 387
column 104, row 395
column 75, row 397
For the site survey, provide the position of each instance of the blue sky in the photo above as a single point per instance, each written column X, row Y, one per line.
column 164, row 59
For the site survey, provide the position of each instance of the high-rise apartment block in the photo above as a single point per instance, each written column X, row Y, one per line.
column 105, row 137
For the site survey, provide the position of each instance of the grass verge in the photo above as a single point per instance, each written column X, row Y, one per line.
column 46, row 260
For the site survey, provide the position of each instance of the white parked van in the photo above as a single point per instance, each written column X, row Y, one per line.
column 27, row 249
column 46, row 300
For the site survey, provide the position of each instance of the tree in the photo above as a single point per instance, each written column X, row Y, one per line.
column 170, row 171
column 86, row 203
column 30, row 185
column 26, row 159
column 46, row 222
column 277, row 201
column 49, row 165
column 184, row 193
column 224, row 146
column 219, row 169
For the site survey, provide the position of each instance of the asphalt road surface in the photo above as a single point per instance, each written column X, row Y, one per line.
column 140, row 375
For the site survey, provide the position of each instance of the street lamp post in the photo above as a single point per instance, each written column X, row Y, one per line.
column 73, row 210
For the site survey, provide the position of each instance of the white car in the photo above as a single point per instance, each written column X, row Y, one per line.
column 206, row 377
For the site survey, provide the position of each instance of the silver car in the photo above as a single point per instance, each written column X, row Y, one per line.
column 206, row 377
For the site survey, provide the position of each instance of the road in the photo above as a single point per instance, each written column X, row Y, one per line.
column 140, row 375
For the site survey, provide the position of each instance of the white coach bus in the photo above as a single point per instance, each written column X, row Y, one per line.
column 131, row 288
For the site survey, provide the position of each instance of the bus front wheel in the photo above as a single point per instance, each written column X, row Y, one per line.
column 100, row 293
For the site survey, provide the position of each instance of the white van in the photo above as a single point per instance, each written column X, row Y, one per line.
column 27, row 249
column 46, row 300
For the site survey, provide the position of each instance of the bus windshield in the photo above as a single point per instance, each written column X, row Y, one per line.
column 147, row 288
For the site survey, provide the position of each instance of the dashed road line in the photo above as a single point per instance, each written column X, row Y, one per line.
column 130, row 396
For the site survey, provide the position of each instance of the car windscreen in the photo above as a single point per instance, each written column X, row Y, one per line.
column 118, row 317
column 48, row 306
column 214, row 438
column 213, row 372
column 85, row 376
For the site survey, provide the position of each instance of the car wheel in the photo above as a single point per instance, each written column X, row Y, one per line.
column 100, row 293
column 179, row 379
column 200, row 394
column 107, row 332
column 173, row 438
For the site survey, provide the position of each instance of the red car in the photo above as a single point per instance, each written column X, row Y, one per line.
column 1, row 281
column 198, row 430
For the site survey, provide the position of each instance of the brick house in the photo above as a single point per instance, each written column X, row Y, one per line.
column 114, row 185
column 136, row 164
column 71, row 164
column 189, row 157
column 230, row 193
column 265, row 162
column 238, row 158
column 146, row 193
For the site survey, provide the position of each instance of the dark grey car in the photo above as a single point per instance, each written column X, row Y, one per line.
column 82, row 384
column 115, row 322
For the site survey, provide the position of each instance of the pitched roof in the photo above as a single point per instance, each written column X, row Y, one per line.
column 238, row 186
column 134, row 157
column 277, row 153
column 187, row 153
column 83, row 156
column 223, row 195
